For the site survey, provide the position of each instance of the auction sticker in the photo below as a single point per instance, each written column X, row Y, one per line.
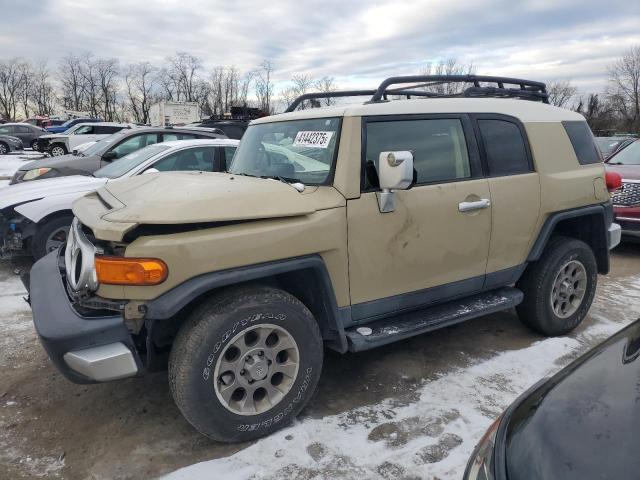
column 313, row 139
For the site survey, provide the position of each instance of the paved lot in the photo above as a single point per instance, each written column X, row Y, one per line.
column 410, row 410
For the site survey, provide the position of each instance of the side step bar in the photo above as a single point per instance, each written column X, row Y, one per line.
column 407, row 325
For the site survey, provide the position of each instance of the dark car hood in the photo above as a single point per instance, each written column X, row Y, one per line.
column 585, row 421
column 66, row 164
column 627, row 172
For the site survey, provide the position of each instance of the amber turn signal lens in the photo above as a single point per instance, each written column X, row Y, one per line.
column 130, row 271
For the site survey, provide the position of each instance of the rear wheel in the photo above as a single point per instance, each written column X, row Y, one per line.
column 245, row 363
column 34, row 145
column 57, row 150
column 51, row 235
column 559, row 288
column 4, row 148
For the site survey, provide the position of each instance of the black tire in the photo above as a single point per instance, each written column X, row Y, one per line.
column 4, row 148
column 204, row 337
column 44, row 231
column 536, row 311
column 34, row 145
column 53, row 148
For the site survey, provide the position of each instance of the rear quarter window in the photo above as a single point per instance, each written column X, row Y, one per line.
column 583, row 142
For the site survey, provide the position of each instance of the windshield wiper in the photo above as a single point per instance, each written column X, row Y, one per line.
column 294, row 182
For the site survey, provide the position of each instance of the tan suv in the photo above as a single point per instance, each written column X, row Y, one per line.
column 347, row 227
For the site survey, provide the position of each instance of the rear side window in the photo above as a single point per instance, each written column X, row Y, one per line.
column 505, row 148
column 439, row 148
column 583, row 142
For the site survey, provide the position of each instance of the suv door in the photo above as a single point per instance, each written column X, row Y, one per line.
column 433, row 246
column 130, row 144
column 515, row 194
column 83, row 134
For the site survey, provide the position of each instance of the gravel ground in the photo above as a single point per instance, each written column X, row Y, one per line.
column 410, row 410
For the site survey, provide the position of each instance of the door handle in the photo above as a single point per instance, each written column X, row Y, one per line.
column 470, row 206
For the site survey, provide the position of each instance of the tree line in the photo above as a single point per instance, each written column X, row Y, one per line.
column 107, row 89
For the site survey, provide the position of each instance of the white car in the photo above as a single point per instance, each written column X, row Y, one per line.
column 57, row 144
column 35, row 216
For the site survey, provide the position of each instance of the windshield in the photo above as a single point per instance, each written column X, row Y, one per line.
column 296, row 150
column 628, row 156
column 103, row 145
column 119, row 167
column 608, row 145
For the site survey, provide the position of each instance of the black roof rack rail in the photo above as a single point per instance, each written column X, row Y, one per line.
column 356, row 93
column 526, row 89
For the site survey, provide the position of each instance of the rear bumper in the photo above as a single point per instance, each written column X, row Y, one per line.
column 629, row 220
column 84, row 349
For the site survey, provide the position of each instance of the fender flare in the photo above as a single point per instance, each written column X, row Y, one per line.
column 170, row 303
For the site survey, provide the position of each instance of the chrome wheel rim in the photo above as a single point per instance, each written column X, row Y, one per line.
column 569, row 288
column 56, row 239
column 57, row 151
column 256, row 369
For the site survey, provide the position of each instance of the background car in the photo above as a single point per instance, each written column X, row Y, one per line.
column 626, row 200
column 70, row 123
column 106, row 150
column 611, row 145
column 26, row 132
column 231, row 128
column 58, row 144
column 10, row 144
column 582, row 423
column 35, row 217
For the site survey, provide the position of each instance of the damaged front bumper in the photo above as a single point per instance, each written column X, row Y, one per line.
column 86, row 349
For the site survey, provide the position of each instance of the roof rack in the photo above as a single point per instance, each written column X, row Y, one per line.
column 505, row 87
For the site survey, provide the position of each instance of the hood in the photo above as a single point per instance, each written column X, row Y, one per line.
column 584, row 421
column 30, row 191
column 48, row 136
column 61, row 161
column 197, row 197
column 627, row 172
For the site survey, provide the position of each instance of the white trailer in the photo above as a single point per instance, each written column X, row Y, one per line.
column 173, row 113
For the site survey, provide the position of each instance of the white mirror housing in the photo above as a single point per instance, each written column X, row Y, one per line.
column 395, row 172
column 150, row 170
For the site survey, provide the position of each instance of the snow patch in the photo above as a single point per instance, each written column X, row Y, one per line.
column 430, row 438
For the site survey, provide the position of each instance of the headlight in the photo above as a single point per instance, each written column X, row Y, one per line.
column 480, row 466
column 35, row 173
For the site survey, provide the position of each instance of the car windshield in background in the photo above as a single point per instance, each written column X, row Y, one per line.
column 129, row 162
column 628, row 156
column 101, row 146
column 297, row 150
column 607, row 145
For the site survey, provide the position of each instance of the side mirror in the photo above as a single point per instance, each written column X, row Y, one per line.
column 395, row 172
column 110, row 155
column 150, row 170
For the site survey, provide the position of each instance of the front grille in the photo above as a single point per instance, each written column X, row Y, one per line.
column 627, row 196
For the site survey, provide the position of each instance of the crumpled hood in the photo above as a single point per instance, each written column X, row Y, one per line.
column 34, row 190
column 194, row 197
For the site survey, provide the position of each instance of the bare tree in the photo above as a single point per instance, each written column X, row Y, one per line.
column 10, row 87
column 140, row 80
column 624, row 87
column 264, row 86
column 449, row 66
column 326, row 85
column 42, row 91
column 561, row 92
column 72, row 80
column 183, row 72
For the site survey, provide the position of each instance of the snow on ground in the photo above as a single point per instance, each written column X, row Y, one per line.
column 431, row 438
column 10, row 163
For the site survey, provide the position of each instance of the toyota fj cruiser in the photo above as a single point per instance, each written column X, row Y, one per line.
column 347, row 227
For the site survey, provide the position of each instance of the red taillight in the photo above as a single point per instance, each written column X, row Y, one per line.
column 613, row 180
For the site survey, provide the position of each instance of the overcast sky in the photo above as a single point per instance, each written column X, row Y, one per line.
column 358, row 42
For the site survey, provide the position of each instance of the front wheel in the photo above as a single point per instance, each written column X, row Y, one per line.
column 245, row 363
column 57, row 150
column 50, row 235
column 559, row 288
